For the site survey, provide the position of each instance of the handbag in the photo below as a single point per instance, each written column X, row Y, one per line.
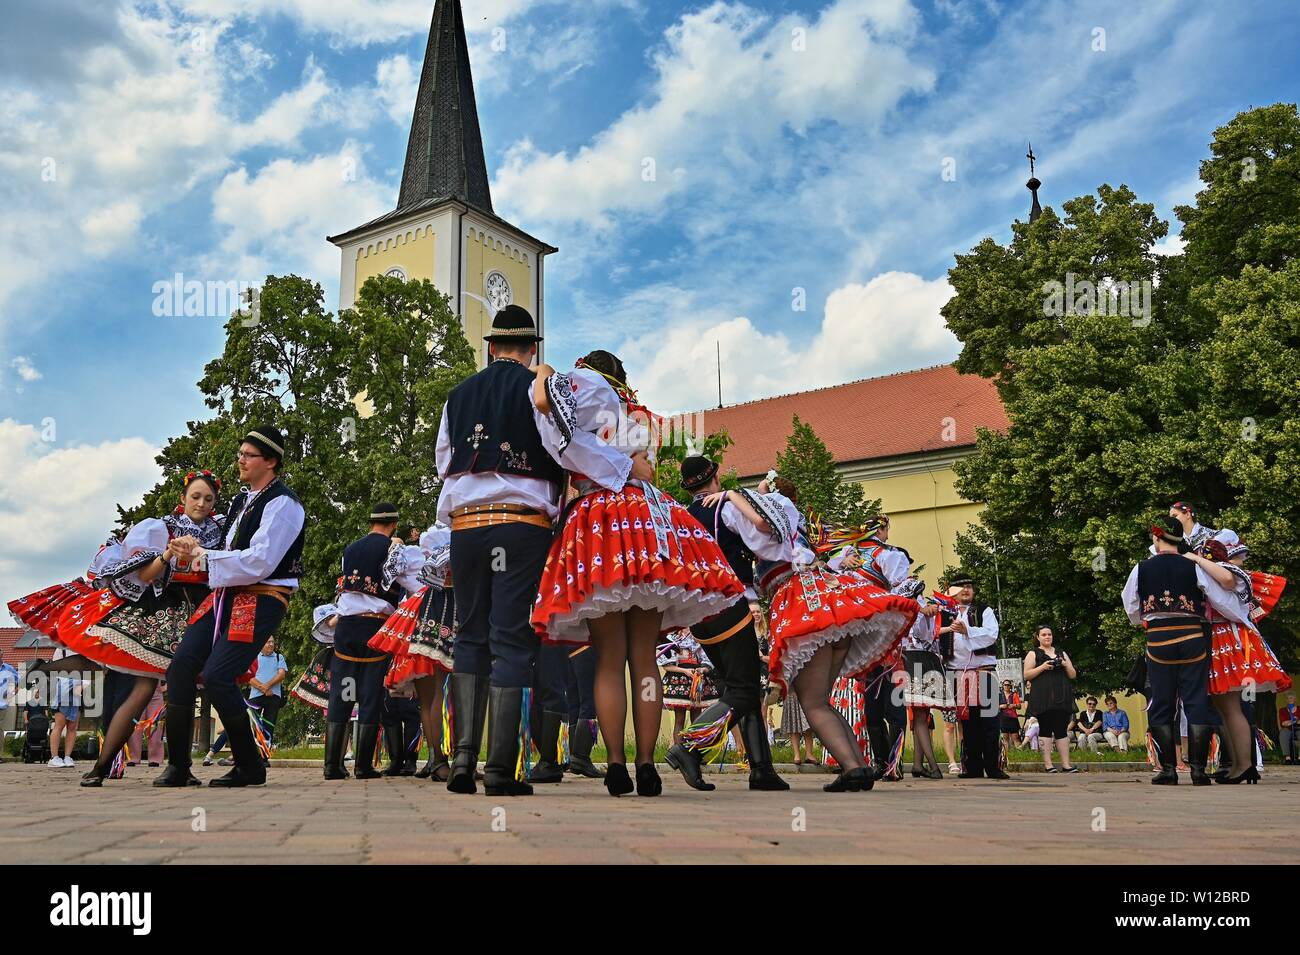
column 1137, row 675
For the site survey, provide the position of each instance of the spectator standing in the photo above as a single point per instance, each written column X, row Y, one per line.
column 1009, row 714
column 1048, row 673
column 1288, row 723
column 1114, row 725
column 267, row 688
column 8, row 687
column 67, row 712
column 1089, row 724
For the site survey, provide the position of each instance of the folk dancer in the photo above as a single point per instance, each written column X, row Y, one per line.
column 500, row 495
column 252, row 573
column 1169, row 596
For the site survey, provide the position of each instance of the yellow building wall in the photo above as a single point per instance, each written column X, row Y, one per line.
column 926, row 513
column 484, row 254
column 411, row 250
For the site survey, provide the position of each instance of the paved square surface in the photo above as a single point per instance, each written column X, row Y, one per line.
column 45, row 817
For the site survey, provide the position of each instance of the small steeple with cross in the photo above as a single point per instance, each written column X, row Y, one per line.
column 1032, row 185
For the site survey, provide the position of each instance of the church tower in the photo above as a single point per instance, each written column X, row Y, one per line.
column 444, row 228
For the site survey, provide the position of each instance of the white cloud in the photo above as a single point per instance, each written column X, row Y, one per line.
column 396, row 83
column 890, row 323
column 276, row 219
column 57, row 503
column 26, row 370
column 1172, row 244
column 729, row 83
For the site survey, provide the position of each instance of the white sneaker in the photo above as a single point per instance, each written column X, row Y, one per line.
column 56, row 762
column 67, row 762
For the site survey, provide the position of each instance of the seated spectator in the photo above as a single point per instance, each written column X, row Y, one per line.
column 1031, row 732
column 1114, row 725
column 1088, row 726
column 1288, row 722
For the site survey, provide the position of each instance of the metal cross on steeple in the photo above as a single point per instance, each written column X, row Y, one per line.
column 1030, row 156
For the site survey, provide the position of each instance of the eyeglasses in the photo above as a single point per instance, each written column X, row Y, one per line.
column 248, row 455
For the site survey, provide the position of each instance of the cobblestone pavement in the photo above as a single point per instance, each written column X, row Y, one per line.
column 45, row 817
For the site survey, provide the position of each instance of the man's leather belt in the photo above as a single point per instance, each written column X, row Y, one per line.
column 281, row 594
column 487, row 515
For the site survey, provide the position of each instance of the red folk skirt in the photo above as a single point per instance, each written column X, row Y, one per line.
column 419, row 635
column 1240, row 656
column 815, row 607
column 607, row 559
column 41, row 610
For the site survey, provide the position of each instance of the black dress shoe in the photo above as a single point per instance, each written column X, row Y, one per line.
column 688, row 764
column 176, row 777
column 239, row 777
column 964, row 775
column 96, row 776
column 855, row 780
column 1250, row 777
column 998, row 774
column 617, row 781
column 648, row 782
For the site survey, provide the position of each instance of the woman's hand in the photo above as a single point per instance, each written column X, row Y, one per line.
column 717, row 497
column 642, row 469
column 931, row 610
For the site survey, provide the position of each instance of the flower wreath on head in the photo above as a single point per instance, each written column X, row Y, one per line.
column 628, row 397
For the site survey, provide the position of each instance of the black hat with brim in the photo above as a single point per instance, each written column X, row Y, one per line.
column 268, row 440
column 513, row 324
column 697, row 471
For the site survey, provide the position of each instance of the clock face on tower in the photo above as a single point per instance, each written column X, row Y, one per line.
column 497, row 290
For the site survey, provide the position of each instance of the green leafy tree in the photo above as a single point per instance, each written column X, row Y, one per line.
column 810, row 466
column 668, row 463
column 1113, row 416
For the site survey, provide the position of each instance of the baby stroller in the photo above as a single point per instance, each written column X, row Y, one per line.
column 36, row 746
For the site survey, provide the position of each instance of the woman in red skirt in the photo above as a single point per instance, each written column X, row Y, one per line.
column 420, row 636
column 825, row 625
column 133, row 620
column 626, row 565
column 1239, row 656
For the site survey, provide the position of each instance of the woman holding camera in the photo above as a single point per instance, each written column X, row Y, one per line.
column 1048, row 673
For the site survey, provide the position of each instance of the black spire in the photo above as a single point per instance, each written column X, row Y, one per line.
column 1032, row 185
column 444, row 155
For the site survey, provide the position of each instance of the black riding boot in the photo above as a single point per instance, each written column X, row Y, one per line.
column 1198, row 752
column 336, row 741
column 1164, row 737
column 505, row 708
column 469, row 700
column 180, row 730
column 879, row 738
column 684, row 757
column 248, row 770
column 363, row 767
column 548, row 768
column 581, row 739
column 396, row 751
column 761, row 774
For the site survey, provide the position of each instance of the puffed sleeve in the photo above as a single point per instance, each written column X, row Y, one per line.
column 403, row 566
column 435, row 544
column 142, row 544
column 1129, row 595
column 584, row 414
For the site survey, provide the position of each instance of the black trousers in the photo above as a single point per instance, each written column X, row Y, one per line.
column 580, row 685
column 207, row 650
column 553, row 677
column 1180, row 671
column 981, row 750
column 495, row 572
column 353, row 682
column 882, row 704
column 736, row 666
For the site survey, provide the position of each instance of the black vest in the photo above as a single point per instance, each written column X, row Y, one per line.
column 248, row 519
column 363, row 569
column 1167, row 583
column 490, row 424
column 733, row 547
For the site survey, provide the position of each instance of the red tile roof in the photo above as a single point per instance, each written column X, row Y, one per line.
column 16, row 656
column 899, row 414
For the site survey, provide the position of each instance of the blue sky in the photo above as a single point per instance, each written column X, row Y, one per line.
column 797, row 146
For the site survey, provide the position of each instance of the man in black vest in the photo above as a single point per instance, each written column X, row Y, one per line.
column 368, row 593
column 729, row 638
column 251, row 580
column 501, row 492
column 973, row 668
column 1167, row 595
